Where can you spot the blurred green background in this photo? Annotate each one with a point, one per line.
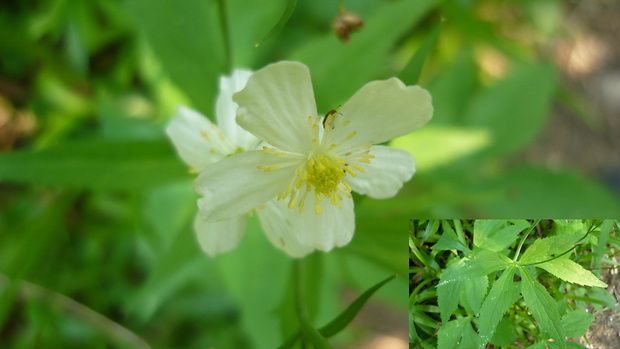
(96, 208)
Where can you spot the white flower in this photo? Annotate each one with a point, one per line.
(200, 143)
(312, 163)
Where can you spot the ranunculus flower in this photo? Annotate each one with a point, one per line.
(311, 163)
(201, 143)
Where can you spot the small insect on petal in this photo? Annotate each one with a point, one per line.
(330, 117)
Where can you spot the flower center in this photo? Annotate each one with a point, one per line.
(322, 174)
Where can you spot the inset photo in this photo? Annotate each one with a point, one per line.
(514, 283)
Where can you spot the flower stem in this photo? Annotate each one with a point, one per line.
(225, 26)
(308, 331)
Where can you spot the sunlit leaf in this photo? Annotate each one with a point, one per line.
(544, 248)
(570, 271)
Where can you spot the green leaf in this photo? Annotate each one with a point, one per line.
(577, 322)
(452, 90)
(542, 249)
(495, 305)
(441, 146)
(451, 281)
(96, 164)
(288, 11)
(469, 337)
(366, 54)
(570, 271)
(344, 318)
(542, 193)
(542, 306)
(411, 72)
(494, 235)
(512, 110)
(450, 333)
(473, 292)
(313, 335)
(186, 37)
(505, 333)
(449, 240)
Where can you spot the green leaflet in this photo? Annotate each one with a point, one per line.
(570, 271)
(450, 332)
(449, 240)
(495, 305)
(495, 235)
(542, 306)
(576, 323)
(450, 284)
(541, 249)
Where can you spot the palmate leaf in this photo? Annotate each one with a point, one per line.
(570, 271)
(542, 307)
(450, 284)
(495, 305)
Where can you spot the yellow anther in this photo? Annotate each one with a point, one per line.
(350, 171)
(358, 167)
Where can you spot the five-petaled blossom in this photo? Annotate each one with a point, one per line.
(311, 163)
(200, 143)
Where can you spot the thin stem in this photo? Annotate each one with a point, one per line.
(115, 330)
(523, 240)
(225, 26)
(308, 331)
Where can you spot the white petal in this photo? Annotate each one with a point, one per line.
(381, 111)
(385, 174)
(221, 236)
(235, 185)
(197, 140)
(276, 223)
(226, 109)
(334, 227)
(275, 106)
